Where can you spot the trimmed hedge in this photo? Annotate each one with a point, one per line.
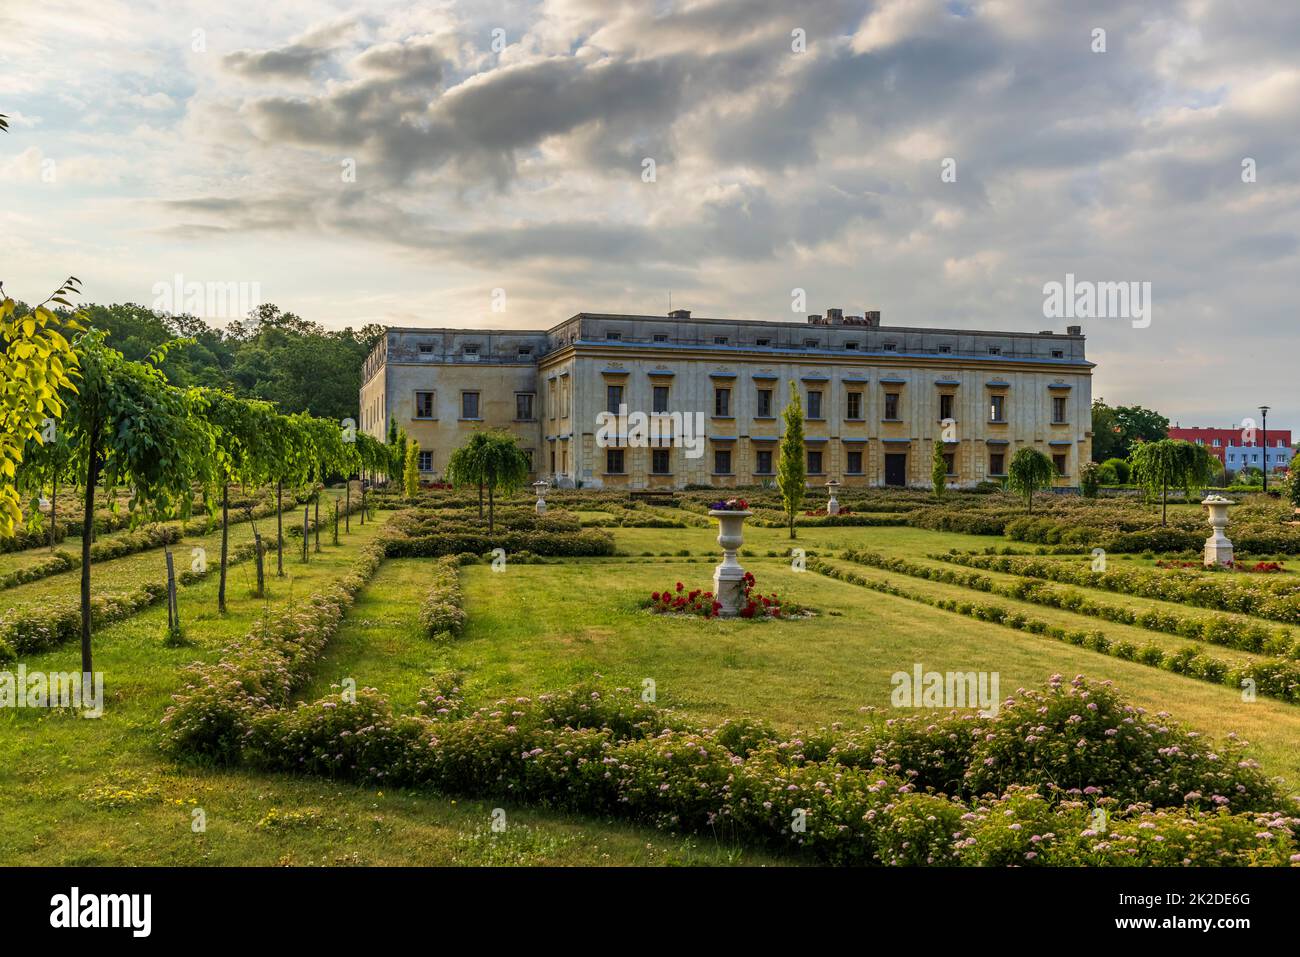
(909, 791)
(442, 614)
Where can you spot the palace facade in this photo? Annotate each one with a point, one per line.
(875, 398)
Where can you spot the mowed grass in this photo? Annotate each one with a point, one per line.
(132, 571)
(539, 627)
(77, 791)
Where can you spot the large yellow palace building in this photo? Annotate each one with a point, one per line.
(875, 398)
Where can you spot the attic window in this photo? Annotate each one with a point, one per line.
(614, 336)
(426, 348)
(851, 345)
(944, 350)
(762, 342)
(1058, 353)
(890, 347)
(471, 353)
(995, 350)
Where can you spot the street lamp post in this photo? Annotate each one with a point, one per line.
(1263, 411)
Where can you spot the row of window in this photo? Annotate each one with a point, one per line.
(471, 352)
(814, 408)
(852, 345)
(471, 405)
(1281, 444)
(661, 462)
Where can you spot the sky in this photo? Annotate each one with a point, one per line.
(509, 164)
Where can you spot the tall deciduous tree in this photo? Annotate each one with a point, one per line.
(792, 465)
(37, 368)
(1030, 470)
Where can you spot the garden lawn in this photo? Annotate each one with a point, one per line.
(75, 791)
(538, 627)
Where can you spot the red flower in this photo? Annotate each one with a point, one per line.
(680, 586)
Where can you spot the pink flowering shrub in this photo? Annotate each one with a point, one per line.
(441, 614)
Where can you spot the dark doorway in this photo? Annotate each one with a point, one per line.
(896, 469)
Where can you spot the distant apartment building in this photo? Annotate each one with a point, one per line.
(1235, 452)
(876, 399)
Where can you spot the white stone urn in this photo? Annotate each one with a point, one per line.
(728, 578)
(1218, 548)
(832, 503)
(541, 488)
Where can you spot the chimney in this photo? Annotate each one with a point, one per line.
(835, 316)
(1074, 330)
(680, 314)
(871, 317)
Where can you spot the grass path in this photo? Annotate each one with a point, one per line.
(539, 627)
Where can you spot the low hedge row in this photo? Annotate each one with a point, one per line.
(1231, 632)
(442, 614)
(1267, 676)
(588, 542)
(1277, 599)
(1017, 788)
(213, 713)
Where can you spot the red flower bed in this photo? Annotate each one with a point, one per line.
(703, 603)
(1260, 567)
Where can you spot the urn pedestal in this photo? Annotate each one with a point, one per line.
(832, 503)
(541, 488)
(1218, 547)
(728, 578)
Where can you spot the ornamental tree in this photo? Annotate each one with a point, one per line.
(939, 471)
(411, 475)
(505, 469)
(465, 466)
(1157, 466)
(128, 426)
(1029, 471)
(791, 465)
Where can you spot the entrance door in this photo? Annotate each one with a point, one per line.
(896, 469)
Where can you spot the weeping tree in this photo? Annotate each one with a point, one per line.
(37, 368)
(244, 441)
(1171, 463)
(1030, 470)
(792, 464)
(129, 427)
(505, 469)
(465, 467)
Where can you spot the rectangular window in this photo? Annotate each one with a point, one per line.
(997, 408)
(613, 398)
(719, 340)
(426, 462)
(995, 350)
(1058, 353)
(469, 405)
(721, 461)
(996, 463)
(762, 343)
(854, 463)
(852, 346)
(424, 405)
(470, 353)
(660, 399)
(814, 461)
(945, 406)
(660, 337)
(552, 460)
(426, 348)
(814, 404)
(950, 463)
(1058, 409)
(890, 347)
(810, 343)
(891, 405)
(1059, 462)
(613, 336)
(614, 461)
(550, 404)
(524, 406)
(661, 461)
(945, 350)
(525, 354)
(854, 410)
(763, 462)
(722, 403)
(764, 404)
